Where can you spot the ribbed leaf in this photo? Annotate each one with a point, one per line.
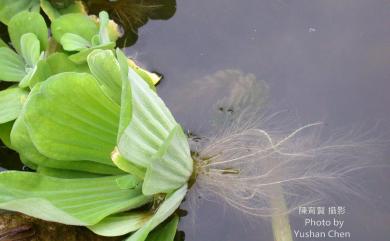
(165, 231)
(11, 102)
(66, 174)
(150, 125)
(165, 210)
(152, 139)
(11, 65)
(31, 157)
(28, 22)
(106, 70)
(9, 8)
(30, 48)
(74, 42)
(83, 201)
(171, 167)
(76, 23)
(53, 13)
(68, 117)
(121, 224)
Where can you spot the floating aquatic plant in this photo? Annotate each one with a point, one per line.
(108, 154)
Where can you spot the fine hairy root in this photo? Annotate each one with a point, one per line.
(244, 167)
(249, 160)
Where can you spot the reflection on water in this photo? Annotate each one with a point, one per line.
(133, 14)
(323, 60)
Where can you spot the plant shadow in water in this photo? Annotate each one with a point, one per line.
(133, 14)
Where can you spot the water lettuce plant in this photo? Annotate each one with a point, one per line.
(107, 154)
(106, 151)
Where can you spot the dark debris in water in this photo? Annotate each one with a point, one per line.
(19, 227)
(133, 14)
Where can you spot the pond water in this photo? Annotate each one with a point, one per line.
(322, 60)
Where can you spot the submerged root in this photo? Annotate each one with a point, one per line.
(245, 166)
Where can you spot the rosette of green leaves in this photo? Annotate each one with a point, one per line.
(81, 34)
(29, 38)
(53, 9)
(83, 132)
(22, 64)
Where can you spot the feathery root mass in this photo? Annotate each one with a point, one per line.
(248, 166)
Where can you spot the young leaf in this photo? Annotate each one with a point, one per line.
(9, 8)
(11, 65)
(30, 48)
(84, 201)
(103, 25)
(74, 42)
(68, 117)
(105, 68)
(166, 209)
(28, 22)
(11, 102)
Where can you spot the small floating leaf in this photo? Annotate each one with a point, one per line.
(28, 22)
(74, 42)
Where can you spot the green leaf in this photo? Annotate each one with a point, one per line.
(75, 23)
(152, 139)
(165, 231)
(106, 70)
(103, 25)
(53, 13)
(5, 132)
(84, 201)
(74, 42)
(121, 224)
(68, 117)
(11, 65)
(67, 174)
(28, 22)
(60, 62)
(171, 167)
(166, 209)
(40, 73)
(9, 8)
(31, 157)
(30, 48)
(81, 56)
(11, 102)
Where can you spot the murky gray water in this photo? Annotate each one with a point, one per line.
(324, 60)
